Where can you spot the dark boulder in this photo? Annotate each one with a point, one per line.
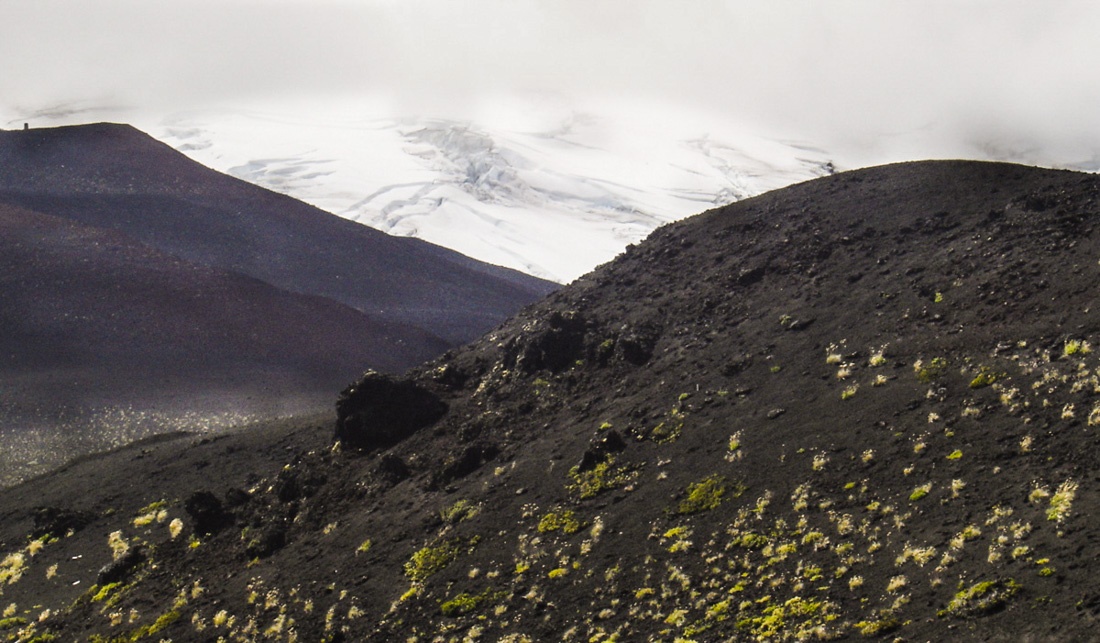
(600, 449)
(121, 568)
(467, 461)
(207, 512)
(391, 469)
(56, 523)
(265, 540)
(553, 344)
(379, 411)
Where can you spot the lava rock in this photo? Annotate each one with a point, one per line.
(379, 411)
(55, 522)
(120, 569)
(207, 512)
(601, 447)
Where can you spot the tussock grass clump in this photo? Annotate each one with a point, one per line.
(706, 494)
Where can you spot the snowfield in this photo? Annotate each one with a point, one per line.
(553, 197)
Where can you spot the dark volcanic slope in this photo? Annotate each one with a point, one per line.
(864, 406)
(91, 319)
(117, 177)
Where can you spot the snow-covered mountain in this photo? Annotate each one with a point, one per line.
(548, 187)
(552, 198)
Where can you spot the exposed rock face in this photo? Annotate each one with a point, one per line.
(380, 411)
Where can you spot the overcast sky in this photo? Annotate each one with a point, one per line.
(939, 77)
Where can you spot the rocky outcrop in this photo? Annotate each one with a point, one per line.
(379, 411)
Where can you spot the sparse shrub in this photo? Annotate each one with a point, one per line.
(458, 511)
(429, 560)
(981, 598)
(955, 455)
(12, 568)
(878, 357)
(1076, 346)
(733, 451)
(883, 624)
(466, 603)
(920, 492)
(984, 378)
(705, 495)
(931, 371)
(602, 477)
(896, 583)
(565, 520)
(1062, 501)
(117, 544)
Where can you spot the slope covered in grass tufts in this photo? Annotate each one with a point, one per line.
(863, 406)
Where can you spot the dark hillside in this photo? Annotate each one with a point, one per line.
(861, 407)
(93, 321)
(114, 176)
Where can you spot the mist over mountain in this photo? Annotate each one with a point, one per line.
(861, 406)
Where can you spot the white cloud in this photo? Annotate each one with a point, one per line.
(874, 79)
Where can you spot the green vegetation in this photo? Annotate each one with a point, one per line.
(955, 455)
(931, 371)
(12, 623)
(705, 495)
(883, 624)
(466, 603)
(429, 560)
(920, 492)
(1075, 347)
(565, 520)
(981, 598)
(1062, 501)
(984, 378)
(461, 510)
(162, 622)
(600, 478)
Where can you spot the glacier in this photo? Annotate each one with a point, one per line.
(553, 197)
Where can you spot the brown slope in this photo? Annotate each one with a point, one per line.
(91, 320)
(758, 493)
(114, 176)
